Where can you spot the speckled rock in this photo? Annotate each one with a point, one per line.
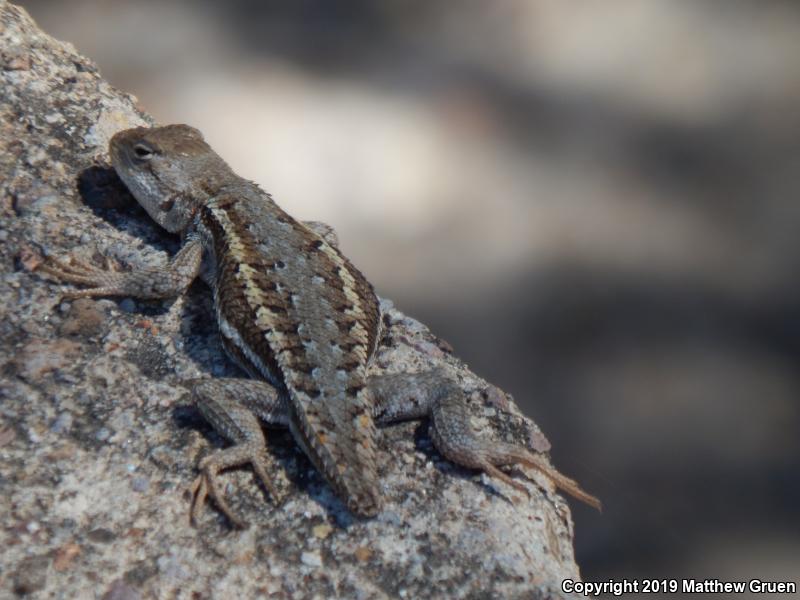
(98, 441)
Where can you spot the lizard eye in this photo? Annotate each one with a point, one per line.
(143, 152)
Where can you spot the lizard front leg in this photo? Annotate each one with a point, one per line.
(433, 394)
(233, 407)
(152, 283)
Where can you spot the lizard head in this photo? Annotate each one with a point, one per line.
(167, 169)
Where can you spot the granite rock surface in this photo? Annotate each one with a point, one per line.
(99, 441)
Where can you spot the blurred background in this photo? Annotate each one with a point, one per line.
(595, 202)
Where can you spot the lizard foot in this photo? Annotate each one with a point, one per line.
(505, 454)
(80, 272)
(205, 485)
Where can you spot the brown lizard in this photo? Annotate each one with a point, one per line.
(293, 313)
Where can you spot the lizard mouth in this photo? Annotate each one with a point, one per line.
(115, 148)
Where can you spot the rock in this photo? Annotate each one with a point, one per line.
(311, 559)
(65, 556)
(84, 319)
(128, 305)
(120, 590)
(101, 444)
(39, 357)
(31, 575)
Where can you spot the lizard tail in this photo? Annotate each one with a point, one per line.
(348, 465)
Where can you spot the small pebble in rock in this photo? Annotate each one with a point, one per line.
(363, 553)
(311, 559)
(102, 535)
(391, 517)
(31, 575)
(140, 484)
(322, 531)
(127, 305)
(62, 424)
(120, 590)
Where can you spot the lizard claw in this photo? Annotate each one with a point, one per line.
(71, 272)
(204, 486)
(493, 471)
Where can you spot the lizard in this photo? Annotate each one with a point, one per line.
(295, 315)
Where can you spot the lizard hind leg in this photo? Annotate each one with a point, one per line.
(455, 438)
(434, 394)
(233, 408)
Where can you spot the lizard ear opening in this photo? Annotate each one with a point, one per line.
(143, 152)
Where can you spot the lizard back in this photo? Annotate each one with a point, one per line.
(293, 310)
